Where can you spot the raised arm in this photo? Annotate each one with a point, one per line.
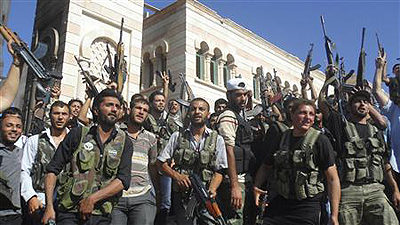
(10, 86)
(380, 64)
(82, 117)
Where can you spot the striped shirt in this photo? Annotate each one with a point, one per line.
(144, 153)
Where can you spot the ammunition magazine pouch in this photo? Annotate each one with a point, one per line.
(362, 161)
(201, 162)
(296, 174)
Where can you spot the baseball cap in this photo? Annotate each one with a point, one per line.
(237, 84)
(363, 93)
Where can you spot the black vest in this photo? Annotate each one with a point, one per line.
(244, 157)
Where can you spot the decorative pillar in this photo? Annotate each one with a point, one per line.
(232, 71)
(207, 61)
(153, 77)
(221, 64)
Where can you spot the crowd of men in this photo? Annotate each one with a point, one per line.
(304, 159)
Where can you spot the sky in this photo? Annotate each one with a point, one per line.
(290, 25)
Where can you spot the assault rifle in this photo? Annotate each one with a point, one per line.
(185, 88)
(307, 65)
(92, 88)
(119, 72)
(205, 200)
(380, 48)
(22, 50)
(361, 63)
(328, 44)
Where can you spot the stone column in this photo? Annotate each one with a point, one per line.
(232, 71)
(153, 75)
(207, 61)
(221, 64)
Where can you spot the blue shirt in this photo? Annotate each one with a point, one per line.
(392, 112)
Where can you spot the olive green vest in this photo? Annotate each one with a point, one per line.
(362, 161)
(201, 162)
(295, 172)
(163, 131)
(45, 152)
(92, 172)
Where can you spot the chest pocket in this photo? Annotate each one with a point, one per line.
(112, 163)
(299, 157)
(282, 159)
(86, 158)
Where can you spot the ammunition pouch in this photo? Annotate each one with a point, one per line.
(362, 161)
(296, 175)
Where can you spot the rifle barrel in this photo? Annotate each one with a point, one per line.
(362, 38)
(323, 25)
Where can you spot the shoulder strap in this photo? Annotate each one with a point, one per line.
(211, 142)
(285, 141)
(351, 131)
(183, 140)
(310, 139)
(153, 123)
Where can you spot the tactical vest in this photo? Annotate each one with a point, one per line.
(362, 160)
(45, 152)
(295, 172)
(244, 157)
(92, 172)
(163, 131)
(201, 162)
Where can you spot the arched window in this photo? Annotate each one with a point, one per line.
(147, 71)
(214, 66)
(161, 63)
(200, 71)
(230, 61)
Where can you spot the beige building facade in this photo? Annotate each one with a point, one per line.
(85, 28)
(188, 37)
(184, 37)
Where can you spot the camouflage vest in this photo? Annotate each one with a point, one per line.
(45, 152)
(201, 161)
(295, 172)
(163, 130)
(362, 161)
(92, 172)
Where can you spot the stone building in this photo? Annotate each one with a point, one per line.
(85, 29)
(188, 37)
(184, 37)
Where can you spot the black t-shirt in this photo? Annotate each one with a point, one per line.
(65, 150)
